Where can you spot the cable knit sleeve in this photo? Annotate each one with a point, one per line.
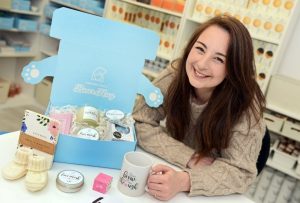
(236, 169)
(152, 137)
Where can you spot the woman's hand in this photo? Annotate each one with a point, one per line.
(194, 162)
(164, 182)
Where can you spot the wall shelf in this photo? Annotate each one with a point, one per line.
(153, 8)
(32, 13)
(18, 55)
(74, 7)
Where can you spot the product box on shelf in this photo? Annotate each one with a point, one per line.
(26, 24)
(6, 22)
(99, 64)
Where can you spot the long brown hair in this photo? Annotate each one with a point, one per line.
(237, 95)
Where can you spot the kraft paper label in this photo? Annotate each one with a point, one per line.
(36, 143)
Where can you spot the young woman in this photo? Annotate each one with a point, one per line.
(213, 109)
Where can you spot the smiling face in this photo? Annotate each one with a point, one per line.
(206, 62)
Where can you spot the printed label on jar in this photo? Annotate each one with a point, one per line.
(90, 113)
(88, 133)
(70, 177)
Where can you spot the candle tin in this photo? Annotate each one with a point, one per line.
(69, 181)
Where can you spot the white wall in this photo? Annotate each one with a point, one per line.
(290, 64)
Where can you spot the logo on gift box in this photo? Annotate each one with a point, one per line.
(129, 180)
(98, 74)
(99, 92)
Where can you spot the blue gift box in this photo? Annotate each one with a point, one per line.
(6, 22)
(26, 24)
(99, 63)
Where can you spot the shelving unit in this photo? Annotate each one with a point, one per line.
(283, 118)
(143, 5)
(16, 57)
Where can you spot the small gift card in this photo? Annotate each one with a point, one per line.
(65, 120)
(40, 133)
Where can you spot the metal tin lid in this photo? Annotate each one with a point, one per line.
(88, 133)
(69, 181)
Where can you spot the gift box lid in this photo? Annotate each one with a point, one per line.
(99, 62)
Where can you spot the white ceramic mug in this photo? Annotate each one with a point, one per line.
(134, 173)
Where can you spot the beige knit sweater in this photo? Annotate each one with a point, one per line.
(232, 171)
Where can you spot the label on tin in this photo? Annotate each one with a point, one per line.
(70, 177)
(88, 133)
(114, 114)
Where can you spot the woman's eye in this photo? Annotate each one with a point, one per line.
(200, 49)
(219, 60)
